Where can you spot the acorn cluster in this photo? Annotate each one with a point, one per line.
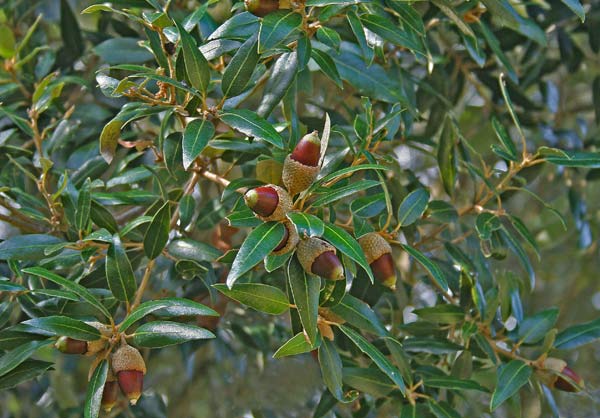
(126, 371)
(318, 257)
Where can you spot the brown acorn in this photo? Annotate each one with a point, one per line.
(261, 8)
(379, 256)
(110, 392)
(289, 241)
(301, 167)
(68, 345)
(318, 257)
(556, 374)
(269, 203)
(129, 367)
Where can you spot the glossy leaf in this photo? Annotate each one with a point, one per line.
(119, 272)
(249, 123)
(276, 27)
(306, 224)
(262, 297)
(61, 325)
(95, 388)
(164, 333)
(196, 66)
(240, 69)
(26, 247)
(195, 138)
(412, 207)
(296, 345)
(432, 268)
(511, 377)
(157, 233)
(305, 291)
(344, 242)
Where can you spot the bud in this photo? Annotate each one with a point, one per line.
(289, 241)
(556, 374)
(318, 257)
(110, 392)
(379, 256)
(261, 8)
(269, 203)
(301, 167)
(129, 367)
(68, 345)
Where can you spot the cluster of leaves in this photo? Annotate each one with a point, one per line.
(127, 141)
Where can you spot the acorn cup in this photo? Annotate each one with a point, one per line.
(319, 257)
(301, 167)
(269, 203)
(379, 256)
(556, 374)
(110, 392)
(289, 241)
(129, 368)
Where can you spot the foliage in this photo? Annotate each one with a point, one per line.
(461, 132)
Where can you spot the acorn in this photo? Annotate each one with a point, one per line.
(318, 257)
(556, 374)
(289, 241)
(379, 256)
(129, 367)
(301, 167)
(261, 8)
(68, 345)
(110, 392)
(269, 203)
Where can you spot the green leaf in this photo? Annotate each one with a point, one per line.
(391, 33)
(13, 358)
(576, 7)
(196, 66)
(368, 206)
(430, 345)
(345, 171)
(95, 389)
(329, 37)
(157, 233)
(276, 27)
(252, 125)
(321, 3)
(76, 288)
(534, 328)
(84, 203)
(486, 223)
(572, 158)
(379, 359)
(327, 65)
(522, 256)
(240, 69)
(494, 45)
(283, 73)
(262, 297)
(189, 249)
(61, 325)
(119, 272)
(122, 51)
(29, 369)
(306, 224)
(344, 191)
(195, 137)
(432, 268)
(7, 42)
(305, 290)
(413, 206)
(508, 16)
(169, 306)
(578, 335)
(448, 10)
(359, 314)
(331, 368)
(296, 345)
(159, 334)
(448, 382)
(504, 138)
(73, 45)
(344, 242)
(28, 247)
(442, 314)
(371, 381)
(511, 377)
(442, 409)
(102, 217)
(109, 139)
(260, 242)
(446, 156)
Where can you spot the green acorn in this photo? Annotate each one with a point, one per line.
(319, 257)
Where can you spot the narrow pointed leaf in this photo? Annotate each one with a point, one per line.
(95, 389)
(305, 291)
(195, 137)
(119, 272)
(249, 123)
(262, 297)
(157, 234)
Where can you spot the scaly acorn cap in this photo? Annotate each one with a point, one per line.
(319, 257)
(129, 367)
(301, 167)
(289, 241)
(558, 375)
(269, 203)
(261, 8)
(94, 347)
(378, 253)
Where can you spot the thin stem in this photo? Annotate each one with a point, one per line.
(143, 285)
